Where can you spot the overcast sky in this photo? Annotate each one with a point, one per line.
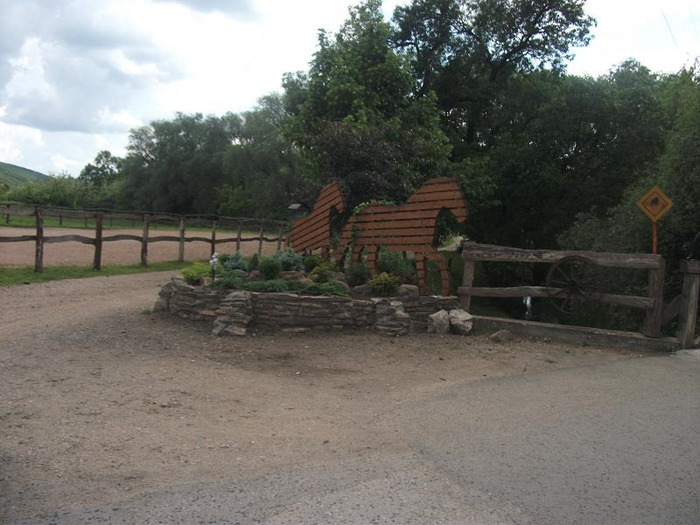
(76, 75)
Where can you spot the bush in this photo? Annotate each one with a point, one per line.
(233, 262)
(384, 284)
(228, 281)
(394, 263)
(270, 268)
(254, 263)
(196, 272)
(325, 289)
(311, 262)
(323, 272)
(289, 260)
(356, 274)
(276, 285)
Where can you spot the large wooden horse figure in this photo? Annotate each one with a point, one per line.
(314, 231)
(409, 227)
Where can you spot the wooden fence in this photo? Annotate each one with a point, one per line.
(147, 220)
(657, 313)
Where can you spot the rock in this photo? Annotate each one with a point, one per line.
(294, 275)
(461, 322)
(306, 281)
(363, 289)
(502, 336)
(439, 323)
(255, 275)
(390, 317)
(408, 290)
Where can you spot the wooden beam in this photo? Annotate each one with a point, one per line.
(97, 259)
(39, 243)
(689, 304)
(487, 252)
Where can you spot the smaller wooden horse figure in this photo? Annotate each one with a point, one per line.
(408, 227)
(314, 231)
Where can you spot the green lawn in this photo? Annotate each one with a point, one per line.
(26, 274)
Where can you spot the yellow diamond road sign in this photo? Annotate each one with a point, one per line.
(655, 203)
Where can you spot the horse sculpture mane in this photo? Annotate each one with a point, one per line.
(409, 227)
(314, 231)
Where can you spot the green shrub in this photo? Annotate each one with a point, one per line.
(311, 262)
(270, 268)
(233, 262)
(228, 281)
(323, 272)
(325, 289)
(394, 263)
(356, 274)
(196, 272)
(384, 284)
(276, 285)
(289, 260)
(254, 262)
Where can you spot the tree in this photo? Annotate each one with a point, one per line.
(467, 50)
(354, 115)
(105, 170)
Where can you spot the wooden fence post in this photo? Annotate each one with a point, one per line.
(260, 234)
(467, 282)
(279, 239)
(181, 242)
(144, 241)
(39, 249)
(689, 303)
(60, 218)
(97, 260)
(654, 317)
(213, 239)
(238, 237)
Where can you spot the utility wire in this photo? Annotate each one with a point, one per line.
(670, 30)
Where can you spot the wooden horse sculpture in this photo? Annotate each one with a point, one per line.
(314, 231)
(409, 227)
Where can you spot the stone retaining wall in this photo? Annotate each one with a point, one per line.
(237, 311)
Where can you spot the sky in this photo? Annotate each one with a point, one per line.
(77, 75)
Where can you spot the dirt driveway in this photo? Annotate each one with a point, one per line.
(101, 400)
(115, 252)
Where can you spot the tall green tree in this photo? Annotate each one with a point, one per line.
(356, 118)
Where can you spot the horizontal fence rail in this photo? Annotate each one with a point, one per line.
(147, 221)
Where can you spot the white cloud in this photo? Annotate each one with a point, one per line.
(63, 164)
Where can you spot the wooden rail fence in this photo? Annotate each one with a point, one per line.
(657, 313)
(147, 220)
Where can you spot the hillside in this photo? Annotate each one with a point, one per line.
(16, 175)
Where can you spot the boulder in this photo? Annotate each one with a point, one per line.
(408, 290)
(439, 323)
(461, 322)
(255, 275)
(363, 289)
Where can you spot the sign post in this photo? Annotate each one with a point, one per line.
(655, 203)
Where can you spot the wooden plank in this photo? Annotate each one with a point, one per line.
(485, 252)
(163, 238)
(390, 232)
(97, 259)
(689, 304)
(644, 303)
(467, 282)
(303, 235)
(225, 240)
(181, 241)
(213, 239)
(122, 237)
(436, 196)
(144, 241)
(39, 243)
(197, 239)
(19, 238)
(15, 211)
(69, 238)
(654, 317)
(238, 237)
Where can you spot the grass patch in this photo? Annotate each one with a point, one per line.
(25, 274)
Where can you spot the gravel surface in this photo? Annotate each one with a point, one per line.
(102, 401)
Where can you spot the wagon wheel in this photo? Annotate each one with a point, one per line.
(571, 280)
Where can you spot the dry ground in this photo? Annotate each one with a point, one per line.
(115, 252)
(101, 400)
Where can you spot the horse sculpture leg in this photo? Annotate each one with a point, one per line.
(444, 273)
(421, 268)
(372, 259)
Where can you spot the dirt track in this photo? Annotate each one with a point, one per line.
(114, 252)
(101, 400)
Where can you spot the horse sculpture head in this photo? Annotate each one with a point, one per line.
(314, 231)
